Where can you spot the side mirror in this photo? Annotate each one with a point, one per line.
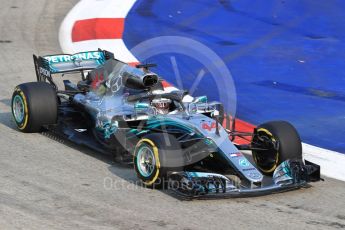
(202, 99)
(144, 108)
(140, 106)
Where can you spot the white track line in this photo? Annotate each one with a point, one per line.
(332, 163)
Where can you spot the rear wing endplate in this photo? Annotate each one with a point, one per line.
(42, 69)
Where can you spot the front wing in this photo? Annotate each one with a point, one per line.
(290, 175)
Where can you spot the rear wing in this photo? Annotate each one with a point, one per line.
(61, 63)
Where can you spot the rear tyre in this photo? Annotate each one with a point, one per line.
(34, 104)
(150, 157)
(282, 141)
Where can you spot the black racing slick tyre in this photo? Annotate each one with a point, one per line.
(34, 104)
(281, 141)
(149, 158)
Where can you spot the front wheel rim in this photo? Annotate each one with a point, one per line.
(266, 160)
(146, 162)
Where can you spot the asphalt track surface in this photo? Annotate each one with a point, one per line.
(45, 184)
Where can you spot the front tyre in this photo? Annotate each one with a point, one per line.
(281, 142)
(151, 155)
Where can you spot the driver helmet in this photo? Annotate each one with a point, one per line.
(162, 105)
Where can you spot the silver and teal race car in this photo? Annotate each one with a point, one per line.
(174, 141)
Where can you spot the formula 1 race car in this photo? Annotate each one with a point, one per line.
(171, 138)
